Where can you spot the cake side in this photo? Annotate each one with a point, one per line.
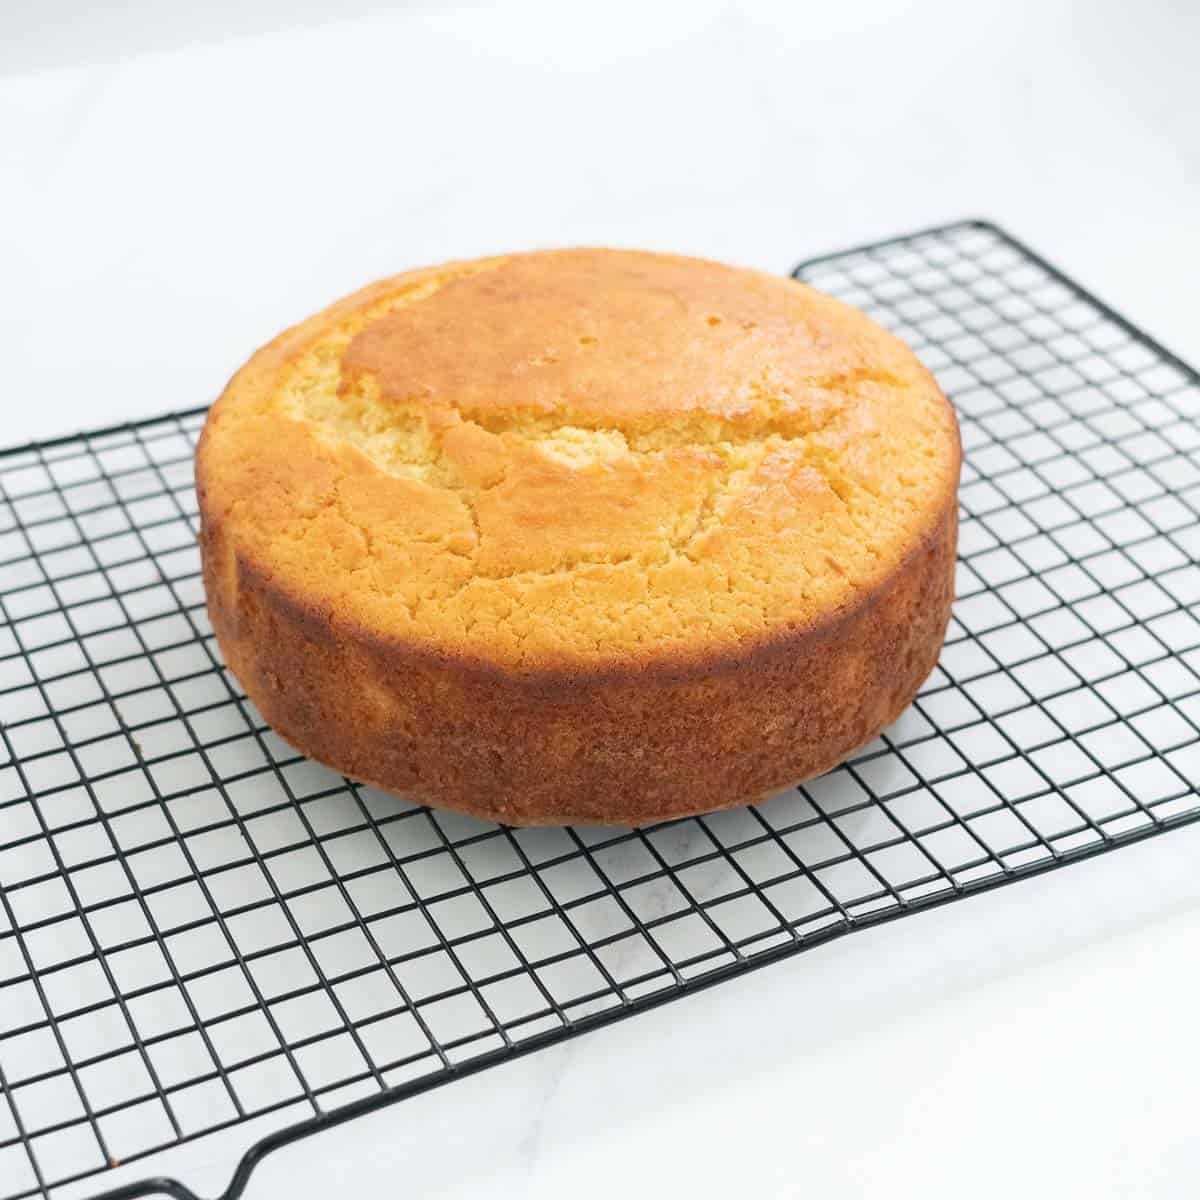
(626, 747)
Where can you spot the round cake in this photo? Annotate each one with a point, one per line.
(581, 535)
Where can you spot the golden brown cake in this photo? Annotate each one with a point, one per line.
(581, 535)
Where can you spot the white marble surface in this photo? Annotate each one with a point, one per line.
(174, 187)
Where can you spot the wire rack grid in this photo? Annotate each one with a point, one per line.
(202, 931)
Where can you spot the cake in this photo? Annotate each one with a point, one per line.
(580, 536)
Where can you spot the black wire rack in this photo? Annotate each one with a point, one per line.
(201, 931)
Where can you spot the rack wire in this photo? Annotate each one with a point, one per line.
(202, 931)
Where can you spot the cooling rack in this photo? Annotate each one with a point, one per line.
(203, 934)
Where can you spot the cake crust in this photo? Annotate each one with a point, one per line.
(580, 536)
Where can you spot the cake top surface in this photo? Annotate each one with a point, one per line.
(577, 458)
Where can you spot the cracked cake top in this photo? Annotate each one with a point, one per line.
(579, 458)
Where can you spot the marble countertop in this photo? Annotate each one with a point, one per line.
(175, 189)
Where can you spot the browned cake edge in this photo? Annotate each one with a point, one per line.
(559, 744)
